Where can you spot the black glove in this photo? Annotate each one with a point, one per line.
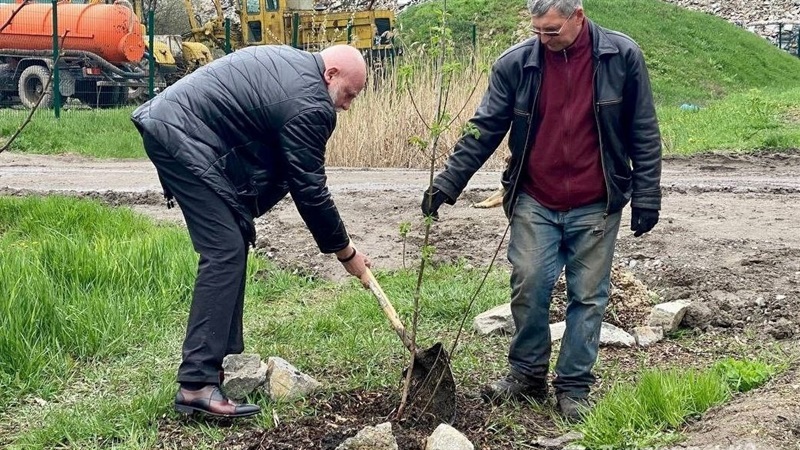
(432, 202)
(643, 220)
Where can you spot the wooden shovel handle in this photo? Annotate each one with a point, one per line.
(388, 310)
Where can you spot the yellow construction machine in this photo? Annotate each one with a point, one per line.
(173, 57)
(299, 23)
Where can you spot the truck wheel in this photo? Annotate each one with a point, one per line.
(113, 96)
(31, 87)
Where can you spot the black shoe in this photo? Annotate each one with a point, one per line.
(513, 387)
(572, 409)
(211, 401)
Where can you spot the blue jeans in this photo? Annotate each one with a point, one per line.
(543, 242)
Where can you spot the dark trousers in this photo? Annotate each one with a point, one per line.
(215, 319)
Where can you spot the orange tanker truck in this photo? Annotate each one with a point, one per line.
(100, 55)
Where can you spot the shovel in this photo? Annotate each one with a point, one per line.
(432, 389)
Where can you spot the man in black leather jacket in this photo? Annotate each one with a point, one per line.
(584, 141)
(229, 141)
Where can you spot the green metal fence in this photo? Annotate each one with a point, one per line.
(784, 34)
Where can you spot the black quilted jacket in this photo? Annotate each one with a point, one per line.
(253, 126)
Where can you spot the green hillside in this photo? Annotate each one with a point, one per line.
(692, 57)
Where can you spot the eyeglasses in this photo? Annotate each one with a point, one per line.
(539, 32)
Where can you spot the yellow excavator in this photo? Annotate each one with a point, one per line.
(299, 23)
(173, 56)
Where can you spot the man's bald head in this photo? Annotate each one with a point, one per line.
(345, 74)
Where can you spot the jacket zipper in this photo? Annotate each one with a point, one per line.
(526, 153)
(600, 139)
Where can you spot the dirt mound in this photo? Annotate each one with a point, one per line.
(342, 415)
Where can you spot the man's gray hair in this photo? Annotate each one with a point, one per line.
(538, 8)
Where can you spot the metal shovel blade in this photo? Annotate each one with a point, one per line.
(432, 392)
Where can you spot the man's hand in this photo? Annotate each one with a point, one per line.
(355, 263)
(643, 220)
(432, 201)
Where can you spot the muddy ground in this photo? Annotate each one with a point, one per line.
(728, 239)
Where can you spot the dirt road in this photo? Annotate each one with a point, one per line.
(728, 239)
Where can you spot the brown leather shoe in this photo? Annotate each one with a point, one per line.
(211, 401)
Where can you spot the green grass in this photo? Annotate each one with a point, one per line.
(93, 303)
(692, 57)
(495, 23)
(79, 282)
(757, 119)
(101, 134)
(349, 334)
(650, 412)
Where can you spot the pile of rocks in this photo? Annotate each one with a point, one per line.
(761, 17)
(664, 318)
(743, 12)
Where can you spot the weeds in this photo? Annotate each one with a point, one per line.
(650, 412)
(743, 376)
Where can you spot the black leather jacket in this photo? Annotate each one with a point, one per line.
(253, 126)
(630, 140)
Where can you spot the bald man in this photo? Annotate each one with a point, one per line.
(229, 141)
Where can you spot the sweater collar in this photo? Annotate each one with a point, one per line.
(581, 45)
(601, 45)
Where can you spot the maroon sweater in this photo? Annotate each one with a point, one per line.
(564, 168)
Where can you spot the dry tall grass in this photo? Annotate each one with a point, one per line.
(375, 132)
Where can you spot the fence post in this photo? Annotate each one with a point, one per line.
(474, 36)
(797, 50)
(54, 86)
(151, 73)
(227, 35)
(295, 31)
(780, 35)
(349, 32)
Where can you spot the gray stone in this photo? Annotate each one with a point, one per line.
(244, 373)
(379, 437)
(495, 320)
(286, 382)
(668, 315)
(446, 437)
(647, 336)
(698, 315)
(557, 331)
(241, 362)
(609, 334)
(615, 337)
(560, 441)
